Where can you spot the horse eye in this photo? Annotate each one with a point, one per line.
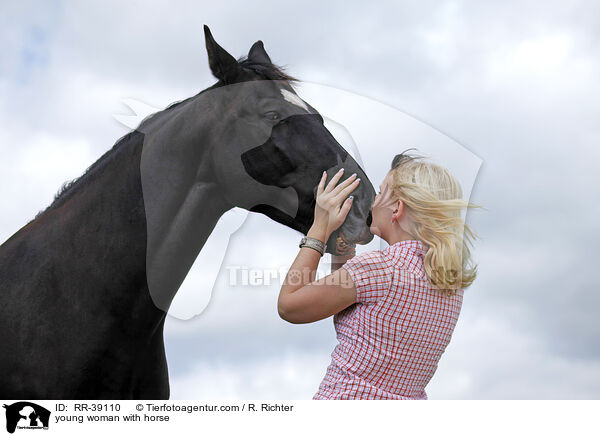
(272, 115)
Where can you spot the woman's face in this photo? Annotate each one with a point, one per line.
(382, 208)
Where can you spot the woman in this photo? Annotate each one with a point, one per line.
(394, 309)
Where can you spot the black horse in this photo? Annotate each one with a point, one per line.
(85, 286)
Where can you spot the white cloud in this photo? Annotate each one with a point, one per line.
(289, 376)
(491, 358)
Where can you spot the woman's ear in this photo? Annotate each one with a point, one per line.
(397, 210)
(403, 218)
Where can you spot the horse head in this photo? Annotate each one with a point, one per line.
(273, 138)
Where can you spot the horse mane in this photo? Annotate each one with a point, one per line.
(266, 71)
(70, 186)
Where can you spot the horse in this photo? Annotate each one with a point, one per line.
(85, 286)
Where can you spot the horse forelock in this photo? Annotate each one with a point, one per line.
(267, 71)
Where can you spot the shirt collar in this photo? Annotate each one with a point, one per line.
(404, 255)
(412, 245)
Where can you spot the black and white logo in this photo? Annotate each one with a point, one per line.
(26, 415)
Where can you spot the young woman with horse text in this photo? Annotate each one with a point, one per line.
(394, 310)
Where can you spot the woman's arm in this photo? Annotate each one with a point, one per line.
(301, 299)
(319, 299)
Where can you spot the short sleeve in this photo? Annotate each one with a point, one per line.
(371, 275)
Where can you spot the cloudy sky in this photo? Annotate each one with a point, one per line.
(509, 86)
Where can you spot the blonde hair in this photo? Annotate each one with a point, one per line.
(434, 201)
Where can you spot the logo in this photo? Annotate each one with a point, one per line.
(26, 415)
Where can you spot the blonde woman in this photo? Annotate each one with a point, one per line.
(394, 310)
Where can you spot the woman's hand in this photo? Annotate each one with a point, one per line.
(332, 203)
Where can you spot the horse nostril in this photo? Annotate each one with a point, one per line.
(369, 219)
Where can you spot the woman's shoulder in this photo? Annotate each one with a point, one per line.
(403, 253)
(370, 259)
(372, 275)
(406, 255)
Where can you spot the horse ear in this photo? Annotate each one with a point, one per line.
(258, 53)
(223, 66)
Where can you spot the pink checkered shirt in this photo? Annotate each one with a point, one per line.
(391, 339)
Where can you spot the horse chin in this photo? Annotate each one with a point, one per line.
(341, 245)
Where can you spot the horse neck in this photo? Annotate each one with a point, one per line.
(183, 201)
